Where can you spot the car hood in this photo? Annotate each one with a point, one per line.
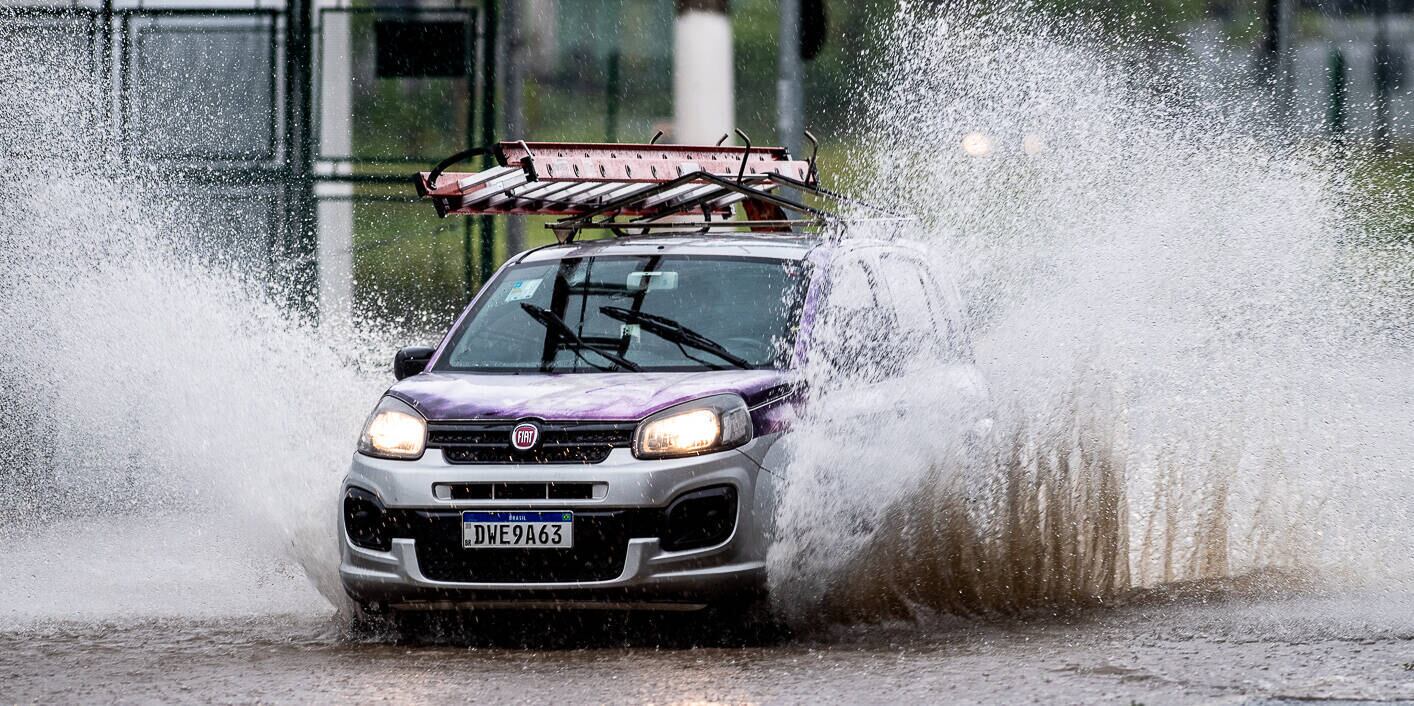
(578, 396)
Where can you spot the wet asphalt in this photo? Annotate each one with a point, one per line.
(1327, 647)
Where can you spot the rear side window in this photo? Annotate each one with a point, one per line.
(912, 299)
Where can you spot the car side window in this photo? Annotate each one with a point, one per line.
(923, 328)
(852, 289)
(858, 325)
(911, 298)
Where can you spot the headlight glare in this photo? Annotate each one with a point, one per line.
(711, 424)
(689, 432)
(394, 430)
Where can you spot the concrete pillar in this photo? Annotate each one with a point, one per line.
(542, 24)
(704, 91)
(790, 93)
(335, 198)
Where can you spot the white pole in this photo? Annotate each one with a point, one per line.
(335, 202)
(704, 92)
(790, 94)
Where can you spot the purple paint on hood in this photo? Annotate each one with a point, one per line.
(577, 396)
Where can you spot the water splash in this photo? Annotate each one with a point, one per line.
(1196, 346)
(172, 435)
(1191, 329)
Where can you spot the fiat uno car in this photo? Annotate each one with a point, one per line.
(602, 426)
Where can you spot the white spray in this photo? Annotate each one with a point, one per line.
(173, 436)
(1198, 365)
(1198, 351)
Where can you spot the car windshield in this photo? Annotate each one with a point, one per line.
(647, 313)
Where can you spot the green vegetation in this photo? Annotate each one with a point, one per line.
(412, 269)
(1382, 185)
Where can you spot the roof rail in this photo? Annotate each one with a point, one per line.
(626, 188)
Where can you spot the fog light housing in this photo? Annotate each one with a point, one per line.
(365, 522)
(701, 518)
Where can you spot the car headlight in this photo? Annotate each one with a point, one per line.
(394, 430)
(702, 426)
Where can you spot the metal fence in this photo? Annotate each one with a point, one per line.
(285, 123)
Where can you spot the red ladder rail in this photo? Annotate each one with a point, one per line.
(572, 178)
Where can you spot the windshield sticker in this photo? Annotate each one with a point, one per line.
(630, 331)
(652, 281)
(522, 289)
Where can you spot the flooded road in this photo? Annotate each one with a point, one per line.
(1345, 648)
(1197, 340)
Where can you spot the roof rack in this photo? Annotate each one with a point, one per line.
(634, 188)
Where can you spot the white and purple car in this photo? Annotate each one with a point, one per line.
(602, 426)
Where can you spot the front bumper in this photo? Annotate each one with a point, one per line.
(650, 575)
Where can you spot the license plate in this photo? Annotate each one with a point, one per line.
(518, 530)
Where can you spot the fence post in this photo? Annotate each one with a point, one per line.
(1276, 48)
(488, 136)
(513, 71)
(1384, 78)
(301, 236)
(1335, 110)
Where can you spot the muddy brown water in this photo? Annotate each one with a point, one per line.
(1348, 647)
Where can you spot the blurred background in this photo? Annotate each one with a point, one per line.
(292, 126)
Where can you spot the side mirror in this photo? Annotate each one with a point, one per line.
(411, 361)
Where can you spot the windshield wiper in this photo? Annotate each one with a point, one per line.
(557, 325)
(672, 331)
